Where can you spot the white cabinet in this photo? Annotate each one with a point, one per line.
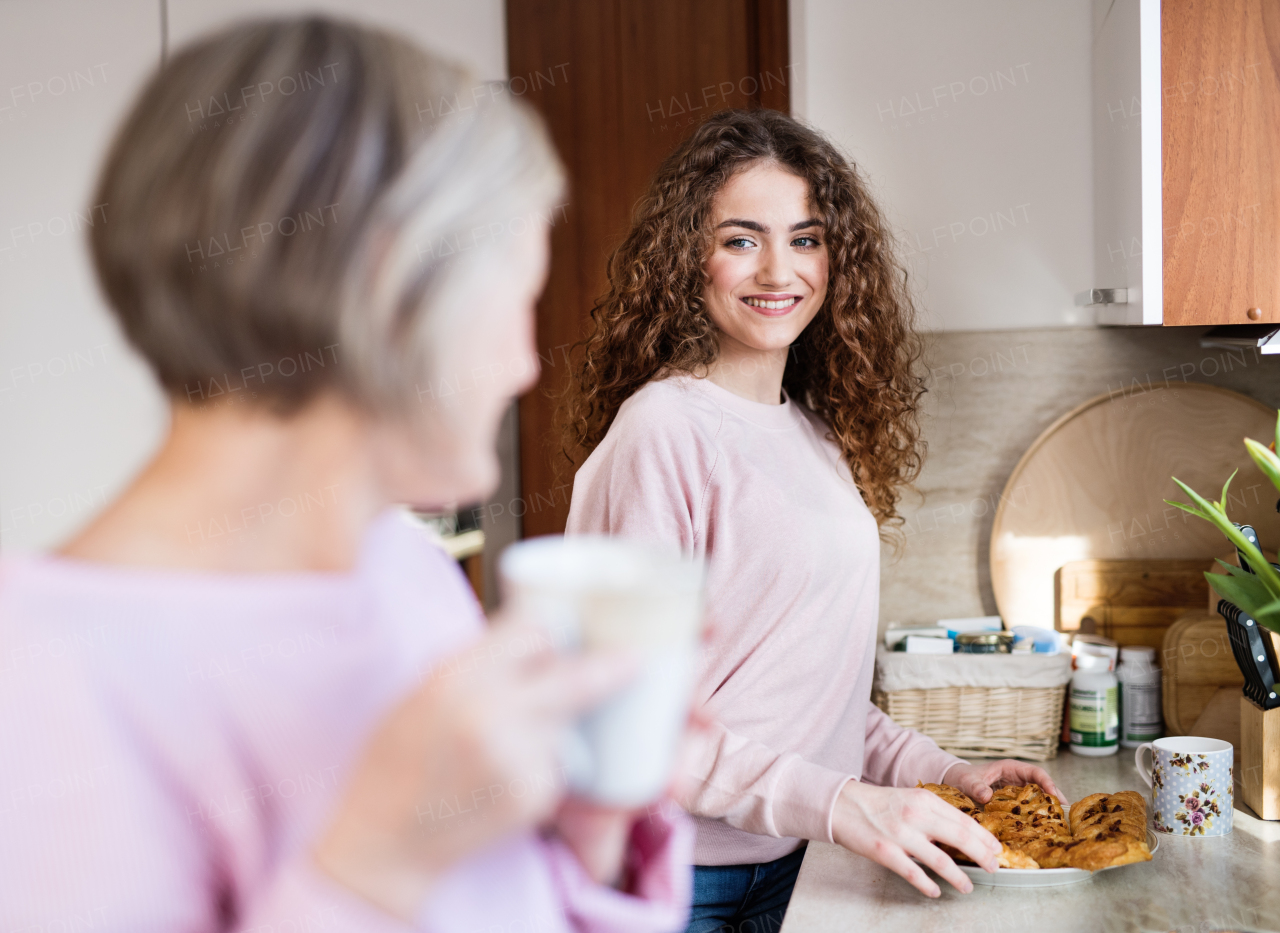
(1126, 152)
(971, 122)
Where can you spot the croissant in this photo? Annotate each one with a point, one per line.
(1105, 850)
(1123, 812)
(1100, 831)
(1008, 858)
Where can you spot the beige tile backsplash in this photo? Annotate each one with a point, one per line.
(990, 395)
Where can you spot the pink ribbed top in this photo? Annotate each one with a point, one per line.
(792, 600)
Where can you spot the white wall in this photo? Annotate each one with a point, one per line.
(79, 412)
(972, 120)
(472, 32)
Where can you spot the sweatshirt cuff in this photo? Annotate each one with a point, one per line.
(659, 864)
(805, 800)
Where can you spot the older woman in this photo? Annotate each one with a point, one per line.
(252, 695)
(749, 393)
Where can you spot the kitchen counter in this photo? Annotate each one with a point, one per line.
(1192, 885)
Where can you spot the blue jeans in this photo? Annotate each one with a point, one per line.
(743, 898)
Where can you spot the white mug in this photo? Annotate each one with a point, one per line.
(592, 591)
(1191, 782)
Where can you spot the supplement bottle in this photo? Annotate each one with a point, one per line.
(1141, 718)
(1094, 707)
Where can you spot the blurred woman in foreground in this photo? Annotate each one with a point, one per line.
(251, 694)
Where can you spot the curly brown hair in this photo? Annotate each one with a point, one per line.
(855, 365)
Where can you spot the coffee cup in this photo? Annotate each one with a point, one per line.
(596, 592)
(1191, 782)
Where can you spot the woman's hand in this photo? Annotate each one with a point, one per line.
(469, 757)
(979, 781)
(890, 824)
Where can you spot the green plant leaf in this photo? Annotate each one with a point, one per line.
(1186, 508)
(1207, 508)
(1266, 460)
(1222, 503)
(1247, 591)
(1269, 617)
(1234, 570)
(1249, 594)
(1212, 513)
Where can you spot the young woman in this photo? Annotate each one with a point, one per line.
(253, 695)
(749, 393)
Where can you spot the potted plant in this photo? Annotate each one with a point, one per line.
(1257, 593)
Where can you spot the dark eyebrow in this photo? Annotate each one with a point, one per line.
(761, 228)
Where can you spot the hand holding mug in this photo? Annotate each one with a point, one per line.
(599, 593)
(483, 723)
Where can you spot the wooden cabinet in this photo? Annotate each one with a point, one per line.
(1220, 137)
(1186, 155)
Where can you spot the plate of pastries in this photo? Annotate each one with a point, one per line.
(1042, 844)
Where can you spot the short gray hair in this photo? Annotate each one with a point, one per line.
(303, 191)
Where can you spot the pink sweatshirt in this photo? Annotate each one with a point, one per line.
(172, 742)
(792, 602)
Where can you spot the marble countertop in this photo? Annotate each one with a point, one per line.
(1192, 885)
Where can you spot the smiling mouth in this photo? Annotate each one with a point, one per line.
(779, 305)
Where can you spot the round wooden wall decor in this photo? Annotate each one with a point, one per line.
(1093, 486)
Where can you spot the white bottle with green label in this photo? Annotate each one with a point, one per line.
(1095, 707)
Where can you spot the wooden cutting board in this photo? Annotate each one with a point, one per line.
(1132, 601)
(1168, 605)
(1093, 485)
(1135, 601)
(1197, 662)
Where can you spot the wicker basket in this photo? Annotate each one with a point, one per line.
(982, 722)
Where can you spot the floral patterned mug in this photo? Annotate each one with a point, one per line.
(1191, 782)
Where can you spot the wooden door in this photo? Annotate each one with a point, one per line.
(619, 82)
(1220, 132)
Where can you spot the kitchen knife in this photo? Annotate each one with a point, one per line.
(1252, 537)
(1247, 643)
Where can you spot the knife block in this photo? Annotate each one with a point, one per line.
(1258, 769)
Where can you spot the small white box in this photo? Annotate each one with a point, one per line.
(926, 644)
(894, 635)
